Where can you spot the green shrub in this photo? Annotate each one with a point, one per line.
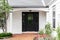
(3, 35)
(58, 32)
(41, 32)
(9, 34)
(48, 29)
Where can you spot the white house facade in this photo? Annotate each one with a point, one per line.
(18, 20)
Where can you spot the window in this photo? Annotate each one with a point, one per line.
(54, 16)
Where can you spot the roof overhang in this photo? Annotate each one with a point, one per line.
(30, 6)
(29, 3)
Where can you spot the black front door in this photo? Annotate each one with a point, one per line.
(30, 21)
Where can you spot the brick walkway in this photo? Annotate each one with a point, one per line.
(25, 36)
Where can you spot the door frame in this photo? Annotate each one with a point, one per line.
(38, 25)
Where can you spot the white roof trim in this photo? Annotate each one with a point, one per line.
(40, 9)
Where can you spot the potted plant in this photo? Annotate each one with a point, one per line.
(40, 35)
(54, 33)
(48, 29)
(41, 32)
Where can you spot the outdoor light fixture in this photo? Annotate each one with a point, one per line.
(30, 10)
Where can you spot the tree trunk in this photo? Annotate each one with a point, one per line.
(6, 22)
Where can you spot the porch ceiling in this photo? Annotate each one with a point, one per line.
(29, 3)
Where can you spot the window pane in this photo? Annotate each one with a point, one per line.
(53, 23)
(53, 16)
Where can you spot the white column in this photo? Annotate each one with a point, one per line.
(9, 23)
(58, 14)
(47, 14)
(42, 20)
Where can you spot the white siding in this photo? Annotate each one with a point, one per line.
(49, 16)
(58, 14)
(17, 22)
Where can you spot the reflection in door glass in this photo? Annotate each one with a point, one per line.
(30, 16)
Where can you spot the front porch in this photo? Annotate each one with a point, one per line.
(15, 20)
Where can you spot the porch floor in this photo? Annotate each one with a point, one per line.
(24, 36)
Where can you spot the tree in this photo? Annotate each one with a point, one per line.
(4, 12)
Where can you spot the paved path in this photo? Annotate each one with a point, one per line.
(25, 36)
